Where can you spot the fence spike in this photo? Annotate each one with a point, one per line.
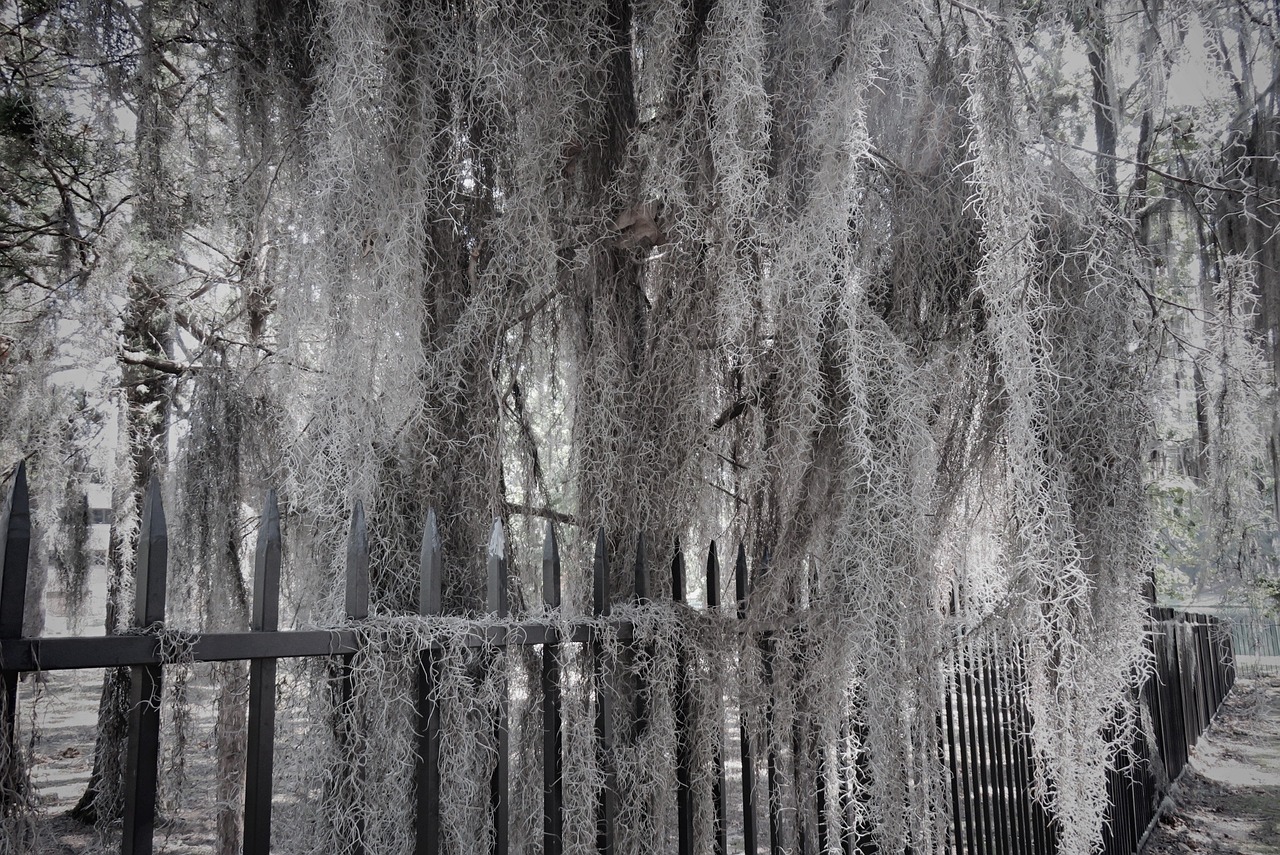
(430, 569)
(741, 582)
(497, 599)
(600, 576)
(358, 565)
(153, 553)
(713, 578)
(677, 576)
(642, 571)
(550, 568)
(266, 569)
(15, 548)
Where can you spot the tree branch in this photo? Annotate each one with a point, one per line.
(545, 513)
(147, 360)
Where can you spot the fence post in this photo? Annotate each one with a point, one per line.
(636, 686)
(552, 755)
(142, 764)
(262, 685)
(15, 530)
(684, 748)
(960, 766)
(1021, 762)
(499, 797)
(604, 705)
(749, 831)
(959, 762)
(356, 608)
(773, 773)
(991, 708)
(430, 602)
(977, 753)
(718, 789)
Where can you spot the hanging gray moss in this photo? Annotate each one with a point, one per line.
(773, 272)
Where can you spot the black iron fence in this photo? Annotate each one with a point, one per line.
(1256, 639)
(994, 809)
(984, 727)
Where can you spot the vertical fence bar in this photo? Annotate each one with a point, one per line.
(637, 688)
(1165, 674)
(142, 764)
(262, 685)
(953, 759)
(844, 784)
(824, 806)
(998, 795)
(552, 753)
(1017, 758)
(427, 775)
(1170, 690)
(1181, 733)
(684, 739)
(608, 805)
(499, 792)
(962, 828)
(1206, 671)
(1008, 703)
(15, 550)
(1027, 768)
(749, 831)
(1137, 810)
(1019, 803)
(773, 781)
(719, 791)
(974, 843)
(999, 695)
(977, 753)
(356, 607)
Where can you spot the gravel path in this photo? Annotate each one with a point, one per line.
(1228, 800)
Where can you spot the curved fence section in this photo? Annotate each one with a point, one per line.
(994, 807)
(983, 727)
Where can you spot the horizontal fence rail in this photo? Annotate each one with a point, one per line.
(983, 729)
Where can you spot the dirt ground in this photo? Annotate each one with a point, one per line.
(65, 707)
(1228, 800)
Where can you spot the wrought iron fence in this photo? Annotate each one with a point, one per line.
(984, 727)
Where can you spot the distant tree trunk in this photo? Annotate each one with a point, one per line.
(610, 302)
(1092, 26)
(148, 395)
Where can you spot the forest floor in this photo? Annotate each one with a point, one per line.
(66, 713)
(1228, 799)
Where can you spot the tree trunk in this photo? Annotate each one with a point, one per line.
(148, 395)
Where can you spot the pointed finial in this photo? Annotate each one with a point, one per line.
(430, 568)
(357, 565)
